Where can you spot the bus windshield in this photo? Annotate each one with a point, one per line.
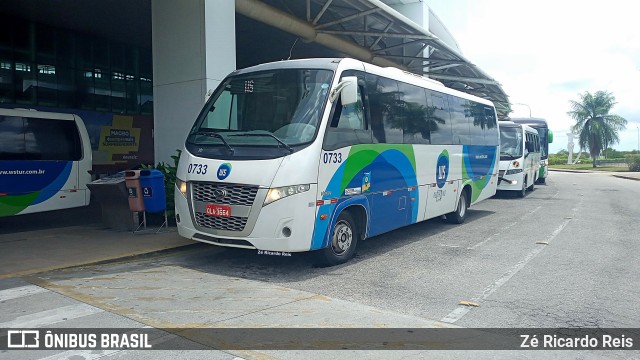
(543, 132)
(276, 108)
(510, 143)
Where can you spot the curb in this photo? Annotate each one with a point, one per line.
(572, 171)
(123, 258)
(627, 177)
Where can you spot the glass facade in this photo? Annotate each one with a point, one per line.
(53, 67)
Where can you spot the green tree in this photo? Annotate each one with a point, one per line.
(597, 128)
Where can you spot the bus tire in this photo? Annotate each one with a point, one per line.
(523, 191)
(531, 187)
(343, 242)
(459, 215)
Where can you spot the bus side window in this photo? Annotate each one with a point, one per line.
(459, 120)
(12, 134)
(386, 110)
(439, 119)
(415, 114)
(51, 140)
(490, 137)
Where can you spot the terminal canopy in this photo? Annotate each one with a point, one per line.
(371, 31)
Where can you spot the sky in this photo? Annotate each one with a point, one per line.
(545, 53)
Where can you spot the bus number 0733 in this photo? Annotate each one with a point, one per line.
(335, 158)
(197, 169)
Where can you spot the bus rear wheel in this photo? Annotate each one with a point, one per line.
(343, 242)
(458, 216)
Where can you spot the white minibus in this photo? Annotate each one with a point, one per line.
(45, 159)
(519, 157)
(318, 154)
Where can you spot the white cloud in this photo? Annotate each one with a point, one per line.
(545, 52)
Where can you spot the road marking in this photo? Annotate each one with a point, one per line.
(21, 291)
(502, 229)
(49, 317)
(462, 310)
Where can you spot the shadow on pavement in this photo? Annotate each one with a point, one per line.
(87, 215)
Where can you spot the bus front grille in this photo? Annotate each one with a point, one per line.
(233, 223)
(225, 194)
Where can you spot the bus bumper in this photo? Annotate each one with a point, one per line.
(285, 225)
(510, 182)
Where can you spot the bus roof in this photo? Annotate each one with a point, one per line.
(32, 113)
(531, 121)
(507, 124)
(348, 63)
(504, 123)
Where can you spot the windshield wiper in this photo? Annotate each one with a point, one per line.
(269, 135)
(214, 135)
(502, 153)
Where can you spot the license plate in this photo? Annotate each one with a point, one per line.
(218, 210)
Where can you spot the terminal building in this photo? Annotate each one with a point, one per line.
(138, 71)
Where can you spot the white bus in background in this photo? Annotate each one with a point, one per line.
(45, 159)
(519, 157)
(318, 154)
(546, 138)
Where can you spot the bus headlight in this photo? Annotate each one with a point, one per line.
(182, 187)
(276, 194)
(513, 171)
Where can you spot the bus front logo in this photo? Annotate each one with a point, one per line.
(442, 169)
(223, 171)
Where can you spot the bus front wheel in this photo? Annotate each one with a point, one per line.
(523, 191)
(458, 216)
(344, 239)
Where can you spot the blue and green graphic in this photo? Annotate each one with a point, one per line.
(477, 166)
(384, 177)
(26, 183)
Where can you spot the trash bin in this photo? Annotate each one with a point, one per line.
(134, 190)
(153, 192)
(111, 193)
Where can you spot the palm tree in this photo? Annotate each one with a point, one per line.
(597, 128)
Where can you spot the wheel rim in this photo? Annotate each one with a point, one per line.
(463, 206)
(342, 237)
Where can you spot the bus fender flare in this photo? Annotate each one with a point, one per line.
(463, 186)
(359, 200)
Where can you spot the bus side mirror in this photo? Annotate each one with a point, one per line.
(550, 135)
(348, 90)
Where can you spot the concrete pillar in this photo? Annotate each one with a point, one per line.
(194, 48)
